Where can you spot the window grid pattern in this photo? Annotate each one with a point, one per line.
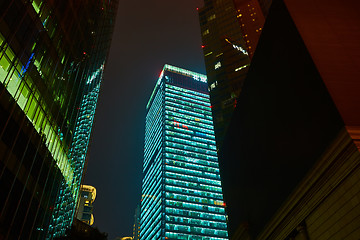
(182, 194)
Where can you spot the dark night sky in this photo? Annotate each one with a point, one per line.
(147, 35)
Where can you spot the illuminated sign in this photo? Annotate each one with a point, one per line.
(194, 75)
(240, 49)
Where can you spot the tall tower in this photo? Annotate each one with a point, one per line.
(181, 189)
(84, 211)
(52, 58)
(226, 60)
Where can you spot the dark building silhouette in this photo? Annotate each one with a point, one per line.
(83, 231)
(230, 32)
(290, 161)
(251, 21)
(52, 57)
(226, 60)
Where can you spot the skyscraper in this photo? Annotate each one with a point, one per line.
(181, 189)
(84, 211)
(52, 58)
(226, 60)
(251, 21)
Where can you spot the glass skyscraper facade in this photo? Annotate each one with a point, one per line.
(52, 58)
(181, 189)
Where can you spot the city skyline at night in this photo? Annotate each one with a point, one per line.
(181, 192)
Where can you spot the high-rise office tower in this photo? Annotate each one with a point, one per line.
(52, 58)
(84, 211)
(181, 189)
(226, 60)
(251, 21)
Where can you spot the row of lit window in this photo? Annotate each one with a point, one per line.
(192, 160)
(158, 87)
(149, 207)
(188, 126)
(185, 116)
(192, 166)
(196, 122)
(189, 111)
(195, 101)
(196, 230)
(152, 146)
(190, 148)
(190, 154)
(174, 109)
(155, 104)
(187, 136)
(152, 115)
(151, 149)
(190, 198)
(196, 186)
(153, 128)
(150, 226)
(195, 214)
(193, 182)
(152, 122)
(177, 129)
(192, 172)
(187, 131)
(194, 221)
(179, 89)
(152, 135)
(188, 142)
(204, 100)
(154, 170)
(150, 195)
(153, 139)
(187, 101)
(201, 193)
(194, 206)
(188, 105)
(182, 236)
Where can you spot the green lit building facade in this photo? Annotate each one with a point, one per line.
(52, 58)
(181, 189)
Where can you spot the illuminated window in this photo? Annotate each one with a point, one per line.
(217, 65)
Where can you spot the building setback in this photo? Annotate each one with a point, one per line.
(52, 58)
(181, 189)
